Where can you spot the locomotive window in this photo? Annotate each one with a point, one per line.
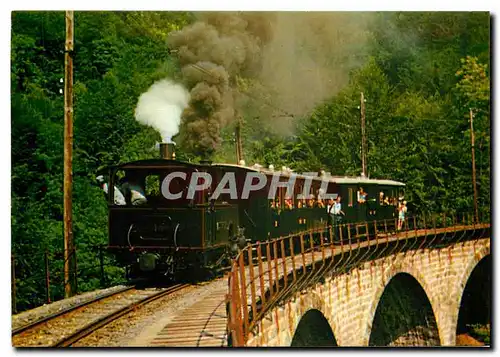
(350, 197)
(116, 181)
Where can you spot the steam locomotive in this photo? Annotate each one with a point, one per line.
(180, 231)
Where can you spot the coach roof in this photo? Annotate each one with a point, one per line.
(336, 179)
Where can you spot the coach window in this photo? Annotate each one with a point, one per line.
(277, 202)
(394, 198)
(384, 199)
(298, 191)
(281, 196)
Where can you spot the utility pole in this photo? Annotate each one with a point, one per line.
(476, 213)
(68, 148)
(363, 136)
(239, 146)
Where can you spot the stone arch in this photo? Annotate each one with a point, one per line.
(313, 330)
(474, 295)
(458, 290)
(388, 274)
(404, 315)
(305, 301)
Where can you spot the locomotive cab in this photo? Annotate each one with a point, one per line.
(170, 228)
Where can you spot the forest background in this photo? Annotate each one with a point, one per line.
(420, 74)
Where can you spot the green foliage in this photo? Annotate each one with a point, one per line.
(118, 55)
(424, 72)
(481, 332)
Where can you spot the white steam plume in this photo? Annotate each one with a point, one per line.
(161, 107)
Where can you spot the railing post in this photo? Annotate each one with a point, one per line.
(341, 236)
(283, 261)
(244, 299)
(311, 246)
(276, 270)
(47, 276)
(332, 249)
(292, 249)
(13, 283)
(101, 263)
(302, 251)
(252, 281)
(261, 275)
(322, 245)
(270, 269)
(235, 308)
(75, 274)
(349, 233)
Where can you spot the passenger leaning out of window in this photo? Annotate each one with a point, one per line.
(362, 195)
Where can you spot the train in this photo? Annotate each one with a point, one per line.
(179, 231)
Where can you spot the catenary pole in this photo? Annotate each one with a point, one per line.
(476, 212)
(363, 136)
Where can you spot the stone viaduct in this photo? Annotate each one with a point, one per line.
(417, 297)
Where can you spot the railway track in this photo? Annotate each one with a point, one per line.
(66, 327)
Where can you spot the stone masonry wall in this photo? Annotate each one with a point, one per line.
(349, 301)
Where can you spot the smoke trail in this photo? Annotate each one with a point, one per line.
(213, 52)
(161, 107)
(288, 63)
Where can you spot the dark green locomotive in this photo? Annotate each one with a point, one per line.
(190, 233)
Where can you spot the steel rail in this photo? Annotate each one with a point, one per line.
(105, 320)
(54, 315)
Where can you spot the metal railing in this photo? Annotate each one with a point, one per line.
(264, 274)
(38, 278)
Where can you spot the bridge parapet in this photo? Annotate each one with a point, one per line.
(266, 274)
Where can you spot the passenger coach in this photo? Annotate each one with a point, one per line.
(189, 231)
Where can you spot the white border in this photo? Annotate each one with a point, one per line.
(196, 5)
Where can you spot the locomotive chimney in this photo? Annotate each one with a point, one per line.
(167, 151)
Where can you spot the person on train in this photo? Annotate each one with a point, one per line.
(362, 195)
(335, 210)
(311, 201)
(320, 202)
(118, 198)
(401, 214)
(133, 189)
